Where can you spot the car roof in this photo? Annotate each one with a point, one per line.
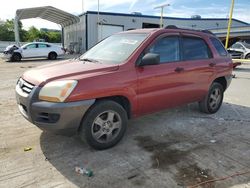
(244, 44)
(168, 30)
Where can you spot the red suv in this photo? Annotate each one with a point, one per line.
(127, 75)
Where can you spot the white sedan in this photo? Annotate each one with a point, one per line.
(33, 50)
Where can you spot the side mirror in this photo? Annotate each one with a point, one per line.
(150, 59)
(25, 48)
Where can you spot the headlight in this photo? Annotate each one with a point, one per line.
(57, 91)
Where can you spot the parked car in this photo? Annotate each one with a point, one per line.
(33, 50)
(126, 75)
(235, 54)
(240, 50)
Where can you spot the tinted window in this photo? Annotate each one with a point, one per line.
(31, 46)
(195, 48)
(219, 47)
(42, 46)
(237, 46)
(167, 48)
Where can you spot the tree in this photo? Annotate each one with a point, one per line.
(7, 31)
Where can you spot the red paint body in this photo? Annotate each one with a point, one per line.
(149, 88)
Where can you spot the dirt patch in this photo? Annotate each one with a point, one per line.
(164, 153)
(192, 175)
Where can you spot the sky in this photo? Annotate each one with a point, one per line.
(177, 8)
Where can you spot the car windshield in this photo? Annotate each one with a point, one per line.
(114, 49)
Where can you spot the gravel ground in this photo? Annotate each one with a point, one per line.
(175, 148)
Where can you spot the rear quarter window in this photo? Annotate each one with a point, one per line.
(219, 47)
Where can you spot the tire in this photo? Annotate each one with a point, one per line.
(104, 125)
(16, 57)
(247, 56)
(212, 102)
(52, 56)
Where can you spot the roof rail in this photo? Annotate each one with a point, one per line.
(175, 27)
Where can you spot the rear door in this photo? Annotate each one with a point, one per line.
(164, 85)
(199, 65)
(43, 50)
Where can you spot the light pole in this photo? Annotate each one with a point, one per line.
(229, 24)
(162, 8)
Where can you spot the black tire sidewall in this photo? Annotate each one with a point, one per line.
(248, 56)
(86, 126)
(214, 86)
(16, 57)
(52, 56)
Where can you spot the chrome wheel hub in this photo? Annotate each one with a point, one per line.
(106, 126)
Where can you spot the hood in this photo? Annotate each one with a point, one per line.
(11, 48)
(69, 69)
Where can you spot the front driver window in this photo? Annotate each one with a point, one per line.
(31, 46)
(167, 48)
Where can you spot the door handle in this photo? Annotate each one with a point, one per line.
(179, 69)
(212, 64)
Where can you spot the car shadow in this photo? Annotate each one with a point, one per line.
(115, 166)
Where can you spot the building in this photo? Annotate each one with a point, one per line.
(93, 27)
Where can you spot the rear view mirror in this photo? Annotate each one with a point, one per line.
(150, 59)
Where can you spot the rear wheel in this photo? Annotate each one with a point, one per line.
(212, 102)
(104, 125)
(52, 56)
(16, 57)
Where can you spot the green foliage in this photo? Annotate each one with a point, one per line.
(7, 33)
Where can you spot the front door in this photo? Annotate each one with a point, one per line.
(161, 86)
(30, 50)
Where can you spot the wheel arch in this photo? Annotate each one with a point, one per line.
(52, 52)
(221, 80)
(248, 54)
(122, 100)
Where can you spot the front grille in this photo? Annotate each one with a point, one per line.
(25, 86)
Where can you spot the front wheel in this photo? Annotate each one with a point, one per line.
(248, 56)
(16, 57)
(104, 124)
(212, 102)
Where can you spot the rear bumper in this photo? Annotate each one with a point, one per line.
(55, 117)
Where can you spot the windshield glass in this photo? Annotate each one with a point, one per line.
(114, 49)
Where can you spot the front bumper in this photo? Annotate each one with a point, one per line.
(7, 56)
(55, 117)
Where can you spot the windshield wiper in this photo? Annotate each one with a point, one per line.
(89, 60)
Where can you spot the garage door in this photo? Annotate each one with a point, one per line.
(107, 30)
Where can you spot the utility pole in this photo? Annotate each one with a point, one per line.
(162, 9)
(229, 24)
(98, 10)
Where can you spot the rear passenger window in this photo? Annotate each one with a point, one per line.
(195, 48)
(42, 46)
(167, 48)
(219, 47)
